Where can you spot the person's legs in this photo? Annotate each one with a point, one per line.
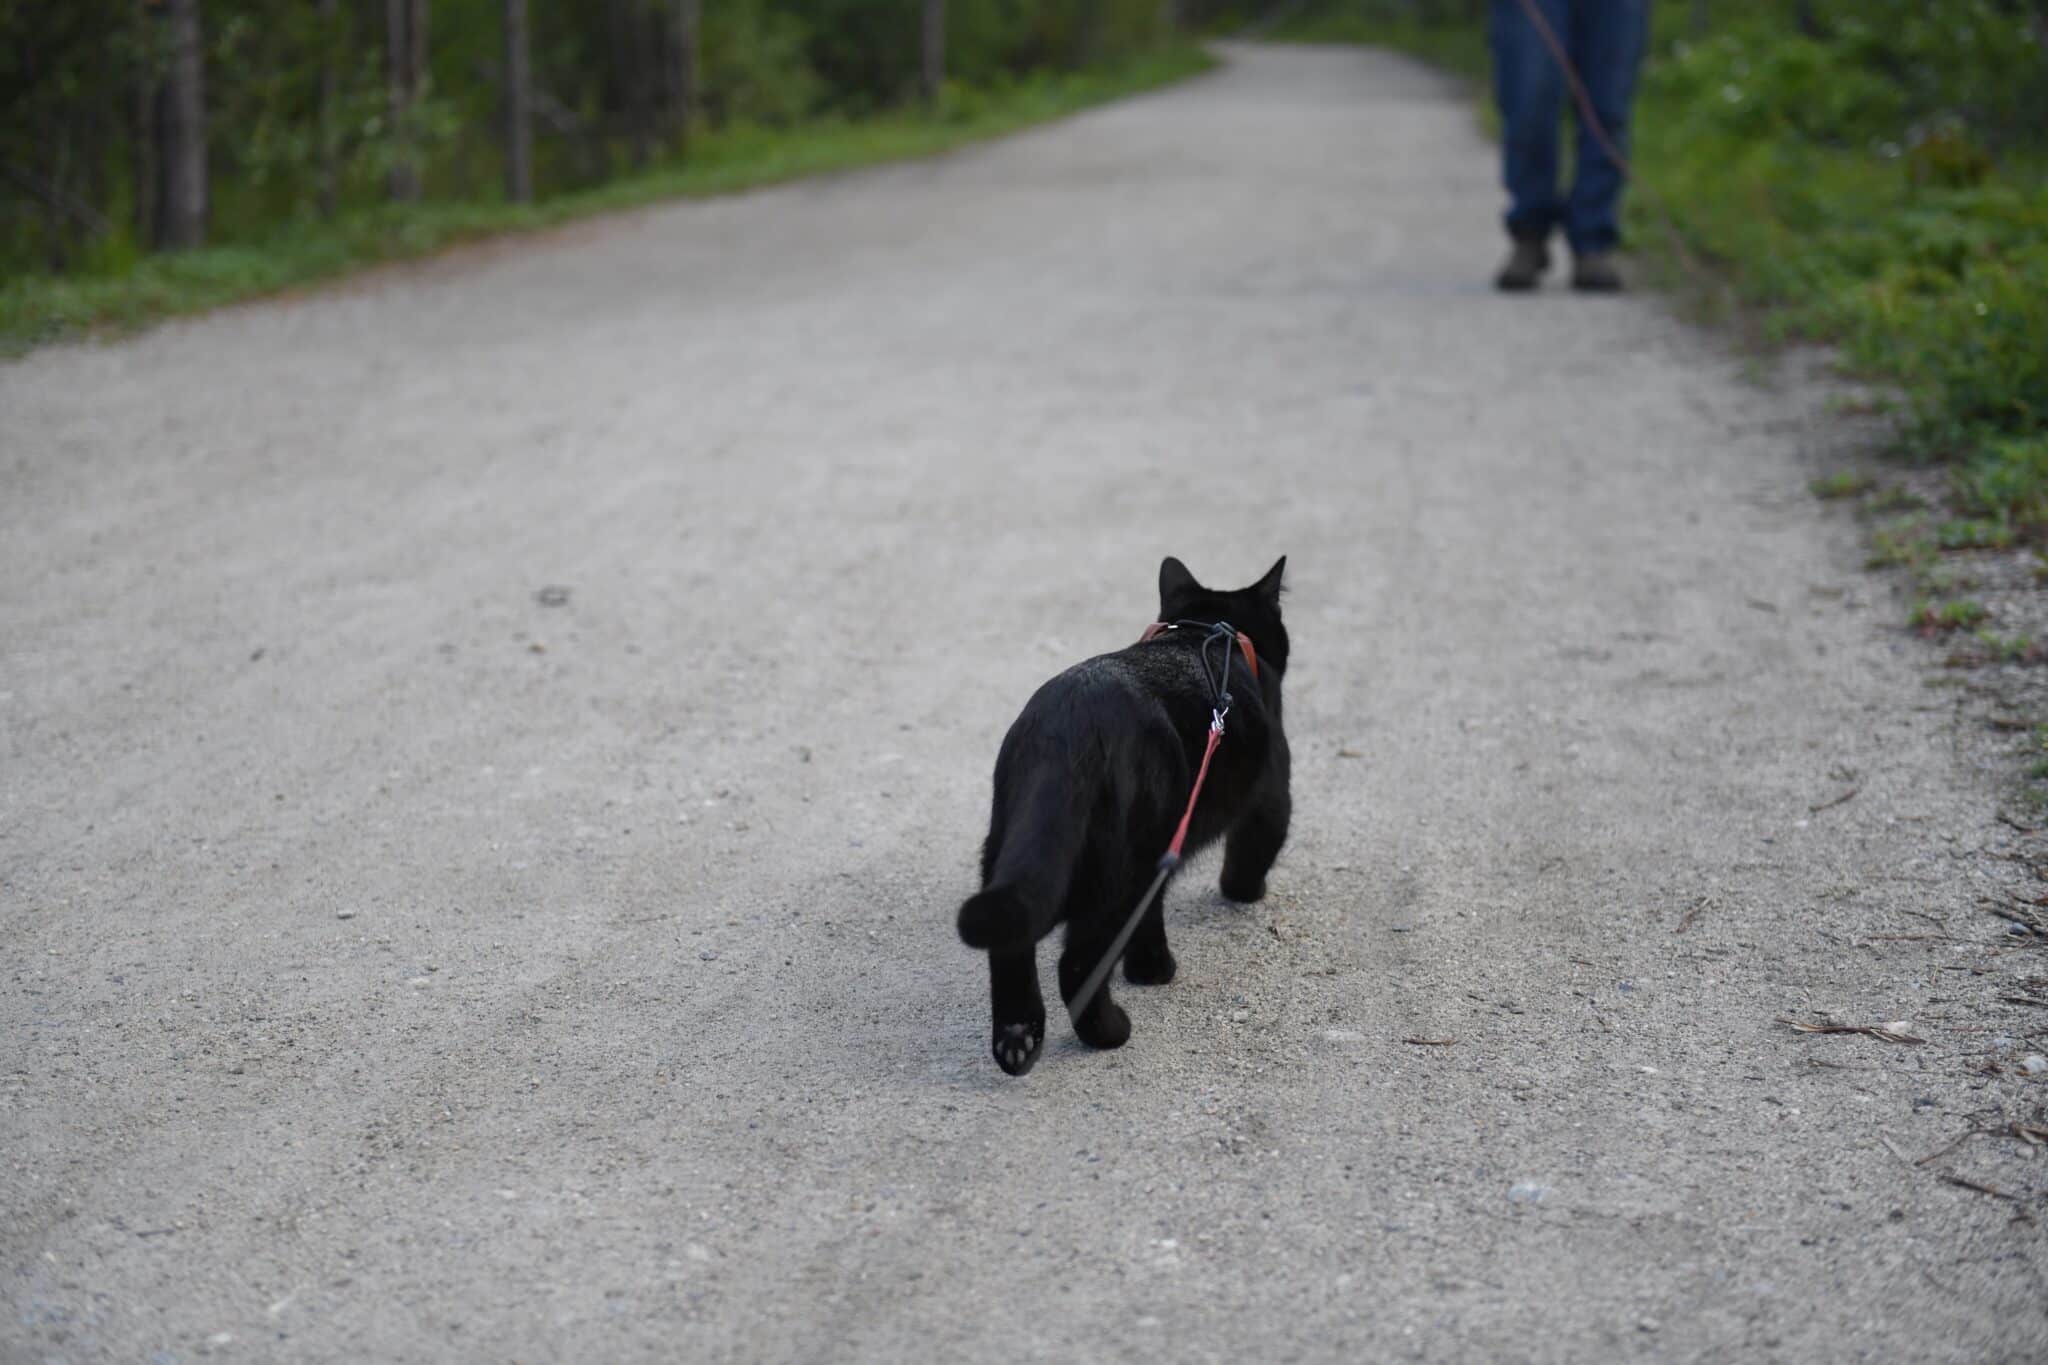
(1529, 89)
(1606, 40)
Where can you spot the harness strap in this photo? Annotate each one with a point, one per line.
(1244, 644)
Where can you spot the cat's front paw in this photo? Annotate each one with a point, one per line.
(1235, 886)
(1150, 969)
(1016, 1046)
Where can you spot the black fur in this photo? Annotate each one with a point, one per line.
(1090, 784)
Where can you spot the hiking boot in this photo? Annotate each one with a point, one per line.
(1594, 273)
(1525, 265)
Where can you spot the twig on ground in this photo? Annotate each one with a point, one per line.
(1430, 1042)
(1887, 1032)
(2016, 911)
(1939, 1284)
(1943, 1150)
(1830, 805)
(1692, 913)
(1980, 1187)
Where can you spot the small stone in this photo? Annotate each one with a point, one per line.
(344, 914)
(1528, 1192)
(2033, 1064)
(708, 955)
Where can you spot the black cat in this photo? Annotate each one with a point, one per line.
(1090, 784)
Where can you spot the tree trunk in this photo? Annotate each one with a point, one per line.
(639, 88)
(687, 16)
(184, 216)
(518, 107)
(330, 169)
(405, 66)
(142, 145)
(934, 72)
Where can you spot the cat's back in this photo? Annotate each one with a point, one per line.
(1109, 689)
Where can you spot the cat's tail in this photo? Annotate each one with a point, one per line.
(1034, 863)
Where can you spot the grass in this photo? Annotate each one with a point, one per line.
(1936, 618)
(1901, 542)
(35, 309)
(1842, 484)
(1994, 648)
(1893, 498)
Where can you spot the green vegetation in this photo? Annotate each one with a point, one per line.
(1842, 484)
(125, 287)
(169, 156)
(1893, 498)
(1876, 177)
(1938, 617)
(1994, 648)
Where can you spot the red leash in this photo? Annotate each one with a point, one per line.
(1078, 1006)
(1180, 836)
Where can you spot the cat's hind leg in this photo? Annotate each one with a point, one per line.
(1019, 1030)
(1252, 845)
(1148, 961)
(1102, 1023)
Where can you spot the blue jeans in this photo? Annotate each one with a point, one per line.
(1605, 40)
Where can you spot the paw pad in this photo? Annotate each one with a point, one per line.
(1016, 1047)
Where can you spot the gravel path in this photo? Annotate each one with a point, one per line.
(404, 963)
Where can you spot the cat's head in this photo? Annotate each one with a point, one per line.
(1254, 610)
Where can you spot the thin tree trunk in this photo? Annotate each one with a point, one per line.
(934, 71)
(330, 170)
(518, 107)
(639, 94)
(688, 14)
(185, 145)
(142, 145)
(405, 59)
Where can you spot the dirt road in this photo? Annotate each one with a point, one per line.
(489, 757)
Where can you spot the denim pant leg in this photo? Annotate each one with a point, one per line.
(1529, 89)
(1606, 40)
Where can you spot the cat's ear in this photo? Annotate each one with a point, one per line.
(1175, 582)
(1268, 588)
